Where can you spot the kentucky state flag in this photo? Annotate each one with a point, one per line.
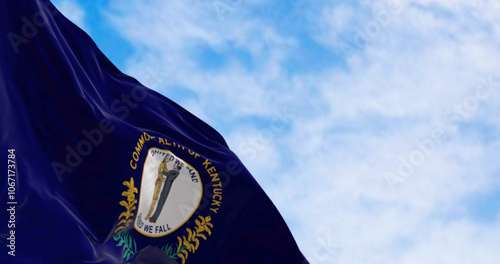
(100, 169)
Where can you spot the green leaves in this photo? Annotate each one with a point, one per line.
(127, 241)
(168, 250)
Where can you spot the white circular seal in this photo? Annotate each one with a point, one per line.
(171, 191)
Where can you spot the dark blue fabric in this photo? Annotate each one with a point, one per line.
(57, 91)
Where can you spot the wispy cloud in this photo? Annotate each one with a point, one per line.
(322, 141)
(73, 11)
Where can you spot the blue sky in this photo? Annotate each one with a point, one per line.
(373, 125)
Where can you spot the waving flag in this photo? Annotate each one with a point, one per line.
(101, 169)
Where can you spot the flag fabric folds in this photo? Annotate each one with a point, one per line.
(101, 169)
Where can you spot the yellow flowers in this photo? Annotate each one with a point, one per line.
(186, 244)
(129, 204)
(192, 242)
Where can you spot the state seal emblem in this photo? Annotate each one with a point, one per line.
(171, 191)
(165, 210)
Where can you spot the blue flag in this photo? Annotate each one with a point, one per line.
(100, 169)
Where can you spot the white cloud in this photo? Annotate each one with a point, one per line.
(73, 11)
(170, 31)
(348, 126)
